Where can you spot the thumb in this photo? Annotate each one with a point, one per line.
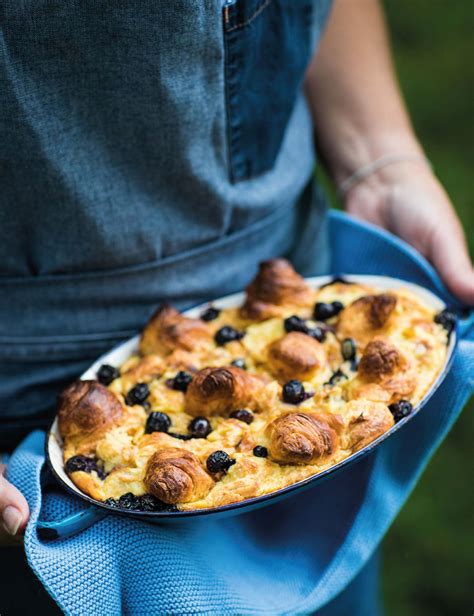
(449, 255)
(14, 510)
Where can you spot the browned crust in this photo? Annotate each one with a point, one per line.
(296, 356)
(372, 422)
(86, 408)
(276, 284)
(366, 317)
(169, 330)
(221, 390)
(304, 438)
(176, 475)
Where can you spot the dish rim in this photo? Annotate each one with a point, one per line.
(124, 349)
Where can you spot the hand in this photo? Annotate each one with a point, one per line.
(407, 199)
(14, 510)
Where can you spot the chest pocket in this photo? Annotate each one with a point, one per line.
(267, 49)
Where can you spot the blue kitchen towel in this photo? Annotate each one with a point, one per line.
(292, 557)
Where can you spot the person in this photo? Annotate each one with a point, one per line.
(158, 151)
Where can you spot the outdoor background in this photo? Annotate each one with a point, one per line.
(428, 556)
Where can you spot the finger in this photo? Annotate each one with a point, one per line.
(14, 510)
(449, 255)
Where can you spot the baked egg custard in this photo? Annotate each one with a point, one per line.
(244, 401)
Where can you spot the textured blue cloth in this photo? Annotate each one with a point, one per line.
(293, 557)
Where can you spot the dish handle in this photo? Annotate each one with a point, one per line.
(70, 525)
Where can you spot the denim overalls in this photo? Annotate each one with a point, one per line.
(149, 151)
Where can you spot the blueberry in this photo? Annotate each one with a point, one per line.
(227, 334)
(148, 502)
(219, 461)
(317, 333)
(210, 314)
(111, 502)
(348, 349)
(199, 427)
(181, 381)
(181, 437)
(157, 422)
(336, 378)
(106, 374)
(239, 363)
(295, 324)
(129, 501)
(400, 409)
(83, 463)
(447, 319)
(293, 392)
(260, 451)
(138, 394)
(243, 415)
(337, 307)
(323, 311)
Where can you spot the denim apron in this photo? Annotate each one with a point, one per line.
(149, 152)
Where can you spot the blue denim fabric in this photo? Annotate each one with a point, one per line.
(115, 186)
(267, 49)
(113, 134)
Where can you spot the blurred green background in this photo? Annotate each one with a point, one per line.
(428, 555)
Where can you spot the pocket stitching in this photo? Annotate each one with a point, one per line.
(251, 18)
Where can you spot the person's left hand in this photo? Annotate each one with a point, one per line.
(408, 200)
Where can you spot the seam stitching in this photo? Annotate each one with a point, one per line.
(250, 19)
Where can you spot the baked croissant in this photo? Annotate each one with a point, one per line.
(176, 475)
(369, 421)
(383, 364)
(303, 438)
(86, 408)
(217, 391)
(276, 285)
(295, 356)
(168, 330)
(367, 317)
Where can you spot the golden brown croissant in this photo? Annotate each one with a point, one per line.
(366, 317)
(276, 284)
(295, 356)
(303, 438)
(86, 408)
(176, 475)
(369, 421)
(384, 364)
(168, 330)
(217, 391)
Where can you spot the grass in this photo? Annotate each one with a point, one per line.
(428, 553)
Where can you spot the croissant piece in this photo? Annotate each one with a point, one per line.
(168, 330)
(384, 364)
(296, 356)
(176, 475)
(303, 438)
(217, 391)
(370, 420)
(276, 284)
(366, 317)
(87, 407)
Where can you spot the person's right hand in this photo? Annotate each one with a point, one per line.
(14, 510)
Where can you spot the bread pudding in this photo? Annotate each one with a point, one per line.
(246, 400)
